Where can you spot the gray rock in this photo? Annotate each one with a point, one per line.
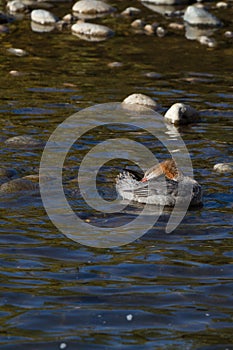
(43, 17)
(199, 16)
(91, 31)
(91, 8)
(136, 100)
(23, 141)
(18, 185)
(180, 113)
(131, 11)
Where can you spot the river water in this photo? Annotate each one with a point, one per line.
(161, 291)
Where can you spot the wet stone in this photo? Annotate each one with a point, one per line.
(223, 167)
(141, 100)
(16, 6)
(180, 113)
(18, 185)
(131, 11)
(43, 17)
(23, 141)
(92, 8)
(91, 31)
(199, 16)
(17, 52)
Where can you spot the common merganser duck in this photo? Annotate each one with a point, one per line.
(163, 184)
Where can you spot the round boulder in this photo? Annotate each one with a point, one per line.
(91, 31)
(43, 17)
(141, 100)
(91, 8)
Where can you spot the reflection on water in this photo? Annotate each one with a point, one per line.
(163, 291)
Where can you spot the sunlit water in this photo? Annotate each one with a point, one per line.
(163, 291)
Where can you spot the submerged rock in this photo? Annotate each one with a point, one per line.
(223, 167)
(199, 16)
(43, 17)
(91, 31)
(131, 11)
(180, 113)
(23, 141)
(7, 172)
(18, 185)
(91, 8)
(142, 100)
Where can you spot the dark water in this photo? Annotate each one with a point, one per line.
(163, 291)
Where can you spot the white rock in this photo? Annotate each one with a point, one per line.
(129, 317)
(223, 167)
(221, 5)
(15, 6)
(198, 15)
(140, 99)
(92, 7)
(43, 17)
(205, 40)
(91, 31)
(180, 113)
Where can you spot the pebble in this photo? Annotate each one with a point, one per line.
(151, 28)
(141, 100)
(228, 34)
(16, 73)
(180, 113)
(115, 64)
(161, 32)
(3, 29)
(18, 185)
(91, 31)
(221, 5)
(153, 75)
(198, 15)
(223, 167)
(91, 8)
(138, 24)
(43, 17)
(129, 317)
(176, 26)
(17, 52)
(205, 40)
(23, 141)
(131, 11)
(16, 6)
